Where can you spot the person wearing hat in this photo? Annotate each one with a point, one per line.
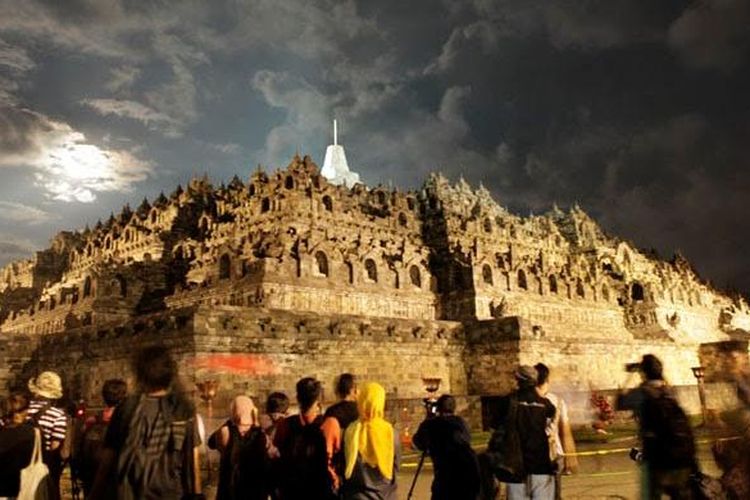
(523, 416)
(46, 389)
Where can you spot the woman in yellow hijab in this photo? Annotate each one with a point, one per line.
(371, 450)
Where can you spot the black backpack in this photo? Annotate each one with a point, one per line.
(668, 441)
(251, 464)
(504, 456)
(155, 460)
(305, 458)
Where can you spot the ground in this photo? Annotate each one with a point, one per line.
(605, 471)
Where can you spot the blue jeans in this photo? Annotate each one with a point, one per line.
(535, 487)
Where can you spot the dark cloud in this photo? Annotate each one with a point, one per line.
(638, 110)
(713, 34)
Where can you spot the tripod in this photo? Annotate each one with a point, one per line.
(416, 475)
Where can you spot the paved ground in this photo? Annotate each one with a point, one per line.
(605, 472)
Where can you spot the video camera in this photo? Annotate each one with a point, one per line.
(430, 407)
(632, 367)
(431, 385)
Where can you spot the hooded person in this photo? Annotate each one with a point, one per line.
(371, 449)
(242, 445)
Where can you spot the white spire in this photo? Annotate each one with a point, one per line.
(335, 168)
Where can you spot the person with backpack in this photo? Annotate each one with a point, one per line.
(46, 389)
(562, 444)
(17, 437)
(303, 466)
(668, 445)
(89, 447)
(336, 419)
(152, 441)
(518, 452)
(243, 468)
(446, 438)
(371, 450)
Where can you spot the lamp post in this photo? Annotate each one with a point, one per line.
(431, 385)
(208, 390)
(699, 373)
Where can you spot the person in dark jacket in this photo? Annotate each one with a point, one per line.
(335, 421)
(667, 466)
(535, 478)
(244, 461)
(447, 440)
(303, 470)
(89, 447)
(16, 444)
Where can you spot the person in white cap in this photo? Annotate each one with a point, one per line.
(46, 389)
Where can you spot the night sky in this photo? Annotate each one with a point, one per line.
(637, 110)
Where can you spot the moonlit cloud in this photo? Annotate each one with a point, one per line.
(76, 171)
(63, 163)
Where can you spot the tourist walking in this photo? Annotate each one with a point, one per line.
(47, 389)
(303, 466)
(447, 440)
(667, 438)
(152, 440)
(89, 448)
(336, 419)
(371, 450)
(243, 468)
(518, 452)
(17, 436)
(562, 445)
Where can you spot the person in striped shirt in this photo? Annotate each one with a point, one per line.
(46, 389)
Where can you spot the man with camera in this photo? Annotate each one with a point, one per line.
(668, 455)
(446, 438)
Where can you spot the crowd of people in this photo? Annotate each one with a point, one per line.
(146, 445)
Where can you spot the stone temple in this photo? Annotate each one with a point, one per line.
(257, 283)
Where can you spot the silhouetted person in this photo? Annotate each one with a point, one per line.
(16, 443)
(336, 419)
(666, 435)
(152, 439)
(243, 470)
(447, 440)
(277, 409)
(559, 431)
(303, 471)
(91, 443)
(522, 419)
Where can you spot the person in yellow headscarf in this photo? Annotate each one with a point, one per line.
(370, 449)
